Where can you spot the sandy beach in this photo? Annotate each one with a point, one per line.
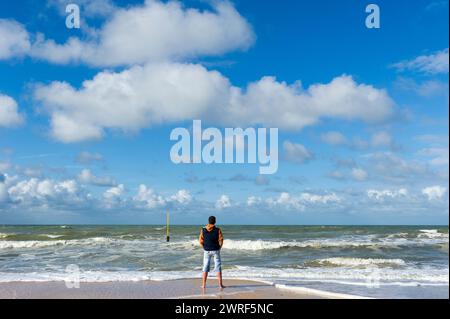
(183, 288)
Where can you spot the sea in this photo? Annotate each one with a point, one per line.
(369, 261)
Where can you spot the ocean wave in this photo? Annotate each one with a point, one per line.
(357, 262)
(351, 276)
(432, 233)
(367, 241)
(51, 236)
(259, 244)
(13, 244)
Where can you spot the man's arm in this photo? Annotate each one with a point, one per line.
(220, 238)
(200, 237)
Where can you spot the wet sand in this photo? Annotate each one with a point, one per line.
(183, 288)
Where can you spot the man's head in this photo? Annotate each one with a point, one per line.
(212, 220)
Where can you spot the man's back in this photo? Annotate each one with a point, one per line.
(211, 239)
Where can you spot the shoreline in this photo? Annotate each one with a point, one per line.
(168, 289)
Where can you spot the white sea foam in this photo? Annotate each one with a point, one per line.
(356, 262)
(320, 293)
(357, 241)
(351, 276)
(432, 234)
(367, 241)
(51, 236)
(11, 244)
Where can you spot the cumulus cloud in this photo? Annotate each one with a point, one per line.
(114, 192)
(42, 190)
(300, 201)
(386, 193)
(334, 138)
(223, 202)
(171, 92)
(359, 174)
(87, 177)
(148, 198)
(438, 155)
(290, 107)
(14, 39)
(393, 168)
(434, 192)
(9, 114)
(154, 31)
(50, 195)
(426, 88)
(3, 192)
(381, 139)
(182, 196)
(317, 198)
(4, 166)
(296, 152)
(431, 64)
(253, 200)
(130, 100)
(88, 158)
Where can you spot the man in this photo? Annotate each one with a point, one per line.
(211, 239)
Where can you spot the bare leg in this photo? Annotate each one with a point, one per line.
(204, 277)
(219, 276)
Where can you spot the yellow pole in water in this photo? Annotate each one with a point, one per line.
(167, 227)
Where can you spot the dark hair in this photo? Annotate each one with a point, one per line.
(212, 220)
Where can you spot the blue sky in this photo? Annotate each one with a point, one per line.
(86, 114)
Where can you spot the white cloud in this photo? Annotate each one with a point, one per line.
(433, 64)
(223, 202)
(114, 192)
(439, 155)
(182, 196)
(155, 31)
(301, 201)
(334, 138)
(170, 92)
(427, 88)
(434, 192)
(383, 194)
(9, 115)
(378, 139)
(393, 168)
(253, 200)
(432, 139)
(4, 166)
(296, 152)
(132, 99)
(87, 157)
(3, 193)
(148, 197)
(35, 189)
(285, 199)
(359, 174)
(290, 107)
(336, 174)
(317, 198)
(87, 177)
(381, 139)
(14, 39)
